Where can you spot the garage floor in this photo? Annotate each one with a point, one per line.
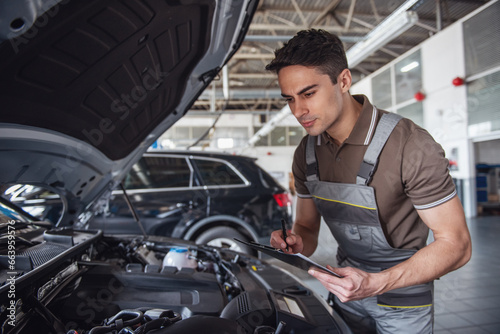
(466, 300)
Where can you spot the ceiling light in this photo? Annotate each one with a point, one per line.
(390, 28)
(409, 67)
(225, 143)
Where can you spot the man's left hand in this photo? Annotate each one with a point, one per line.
(354, 285)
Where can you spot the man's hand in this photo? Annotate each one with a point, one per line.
(303, 238)
(354, 285)
(295, 243)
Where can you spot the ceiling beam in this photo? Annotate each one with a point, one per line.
(265, 56)
(285, 38)
(330, 8)
(347, 24)
(282, 27)
(253, 76)
(299, 12)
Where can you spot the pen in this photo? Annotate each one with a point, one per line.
(283, 229)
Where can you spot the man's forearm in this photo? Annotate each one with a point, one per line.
(429, 263)
(307, 224)
(309, 238)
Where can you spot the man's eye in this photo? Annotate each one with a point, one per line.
(309, 94)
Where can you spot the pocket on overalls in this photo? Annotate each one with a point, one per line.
(355, 240)
(410, 300)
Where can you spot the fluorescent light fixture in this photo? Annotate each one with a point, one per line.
(393, 26)
(409, 67)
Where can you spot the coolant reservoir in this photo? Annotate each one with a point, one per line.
(179, 257)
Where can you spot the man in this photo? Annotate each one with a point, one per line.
(379, 181)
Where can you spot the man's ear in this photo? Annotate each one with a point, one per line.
(345, 80)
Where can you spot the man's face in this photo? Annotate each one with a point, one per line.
(314, 100)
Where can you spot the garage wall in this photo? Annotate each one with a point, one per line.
(445, 105)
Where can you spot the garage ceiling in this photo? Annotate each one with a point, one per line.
(252, 89)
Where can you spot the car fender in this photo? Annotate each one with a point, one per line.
(209, 220)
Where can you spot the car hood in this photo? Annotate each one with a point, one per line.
(86, 87)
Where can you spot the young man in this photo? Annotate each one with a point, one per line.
(379, 181)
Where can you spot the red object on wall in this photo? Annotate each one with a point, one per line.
(458, 81)
(419, 96)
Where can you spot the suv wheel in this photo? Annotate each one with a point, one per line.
(223, 236)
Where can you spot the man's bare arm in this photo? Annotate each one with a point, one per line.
(450, 250)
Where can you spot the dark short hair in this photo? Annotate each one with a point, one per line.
(312, 48)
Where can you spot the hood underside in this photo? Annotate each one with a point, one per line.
(89, 86)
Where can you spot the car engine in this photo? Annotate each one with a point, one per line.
(69, 281)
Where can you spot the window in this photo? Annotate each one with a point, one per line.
(414, 111)
(382, 90)
(230, 137)
(295, 135)
(217, 173)
(278, 136)
(483, 98)
(159, 172)
(481, 47)
(408, 77)
(264, 140)
(182, 136)
(281, 136)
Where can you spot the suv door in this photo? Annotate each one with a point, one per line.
(160, 188)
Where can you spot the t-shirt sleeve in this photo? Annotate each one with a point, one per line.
(299, 170)
(426, 177)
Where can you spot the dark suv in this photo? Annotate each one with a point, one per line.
(204, 197)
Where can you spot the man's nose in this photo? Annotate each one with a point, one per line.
(299, 108)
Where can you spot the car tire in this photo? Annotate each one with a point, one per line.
(223, 237)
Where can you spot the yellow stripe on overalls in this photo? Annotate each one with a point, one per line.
(332, 200)
(393, 306)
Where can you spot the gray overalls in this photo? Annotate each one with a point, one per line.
(350, 211)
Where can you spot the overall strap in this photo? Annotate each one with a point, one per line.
(311, 162)
(384, 129)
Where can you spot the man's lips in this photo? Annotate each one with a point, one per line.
(307, 124)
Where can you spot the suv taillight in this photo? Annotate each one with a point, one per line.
(282, 199)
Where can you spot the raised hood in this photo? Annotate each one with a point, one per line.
(87, 86)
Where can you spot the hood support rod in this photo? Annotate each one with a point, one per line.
(132, 209)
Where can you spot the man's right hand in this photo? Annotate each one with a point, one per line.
(295, 243)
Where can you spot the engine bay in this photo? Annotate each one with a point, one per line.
(68, 281)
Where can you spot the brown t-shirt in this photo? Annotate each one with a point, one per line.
(412, 173)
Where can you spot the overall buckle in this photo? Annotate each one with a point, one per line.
(366, 171)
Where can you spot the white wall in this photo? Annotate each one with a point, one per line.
(445, 106)
(363, 87)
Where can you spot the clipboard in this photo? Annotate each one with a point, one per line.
(296, 260)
